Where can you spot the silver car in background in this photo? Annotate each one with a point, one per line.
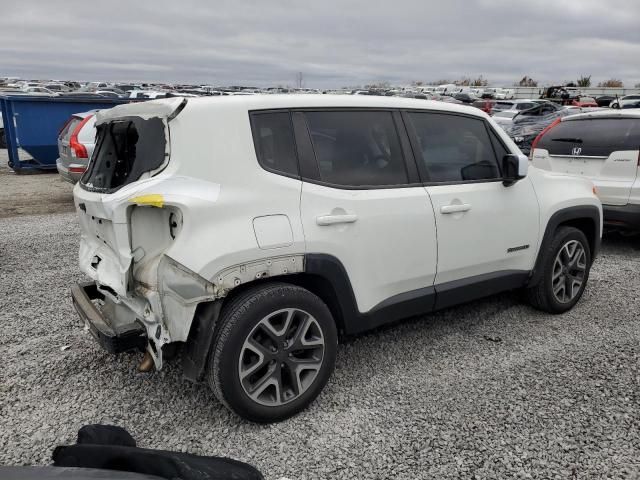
(76, 142)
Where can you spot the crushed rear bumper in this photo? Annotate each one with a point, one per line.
(114, 339)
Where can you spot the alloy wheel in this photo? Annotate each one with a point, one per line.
(569, 270)
(281, 357)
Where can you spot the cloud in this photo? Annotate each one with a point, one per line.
(334, 43)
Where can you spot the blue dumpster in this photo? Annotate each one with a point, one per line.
(33, 123)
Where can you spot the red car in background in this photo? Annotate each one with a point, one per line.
(584, 102)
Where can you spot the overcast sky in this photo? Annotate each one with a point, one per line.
(333, 43)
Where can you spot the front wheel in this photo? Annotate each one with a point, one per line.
(273, 352)
(566, 264)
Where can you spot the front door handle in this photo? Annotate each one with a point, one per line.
(325, 220)
(455, 208)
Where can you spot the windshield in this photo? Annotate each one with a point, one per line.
(65, 133)
(125, 149)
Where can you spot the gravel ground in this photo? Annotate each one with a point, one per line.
(492, 389)
(32, 193)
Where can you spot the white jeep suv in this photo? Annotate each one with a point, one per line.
(256, 230)
(603, 146)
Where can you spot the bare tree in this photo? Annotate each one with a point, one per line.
(440, 82)
(527, 82)
(381, 84)
(612, 83)
(584, 81)
(472, 82)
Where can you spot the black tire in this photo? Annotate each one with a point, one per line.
(238, 321)
(541, 296)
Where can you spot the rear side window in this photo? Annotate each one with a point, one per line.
(125, 149)
(69, 128)
(356, 148)
(274, 142)
(594, 137)
(455, 148)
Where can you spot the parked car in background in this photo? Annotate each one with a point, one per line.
(115, 90)
(445, 89)
(582, 101)
(526, 125)
(504, 117)
(560, 94)
(76, 142)
(127, 87)
(56, 87)
(447, 99)
(631, 104)
(109, 94)
(518, 105)
(146, 94)
(465, 97)
(605, 100)
(624, 101)
(302, 186)
(3, 139)
(603, 146)
(95, 85)
(38, 90)
(484, 104)
(497, 93)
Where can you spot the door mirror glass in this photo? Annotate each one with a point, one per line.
(514, 168)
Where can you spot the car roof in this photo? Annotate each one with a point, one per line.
(602, 114)
(265, 102)
(84, 114)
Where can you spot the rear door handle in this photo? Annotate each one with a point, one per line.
(455, 208)
(325, 220)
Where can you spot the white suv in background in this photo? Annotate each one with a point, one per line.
(254, 231)
(603, 146)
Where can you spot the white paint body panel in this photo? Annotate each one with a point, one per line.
(239, 220)
(614, 176)
(617, 177)
(273, 231)
(476, 241)
(389, 249)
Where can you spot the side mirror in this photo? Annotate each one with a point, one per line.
(514, 168)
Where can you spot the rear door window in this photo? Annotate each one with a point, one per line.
(69, 128)
(594, 137)
(125, 149)
(454, 148)
(274, 142)
(357, 148)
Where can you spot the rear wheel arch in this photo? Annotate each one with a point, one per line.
(324, 276)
